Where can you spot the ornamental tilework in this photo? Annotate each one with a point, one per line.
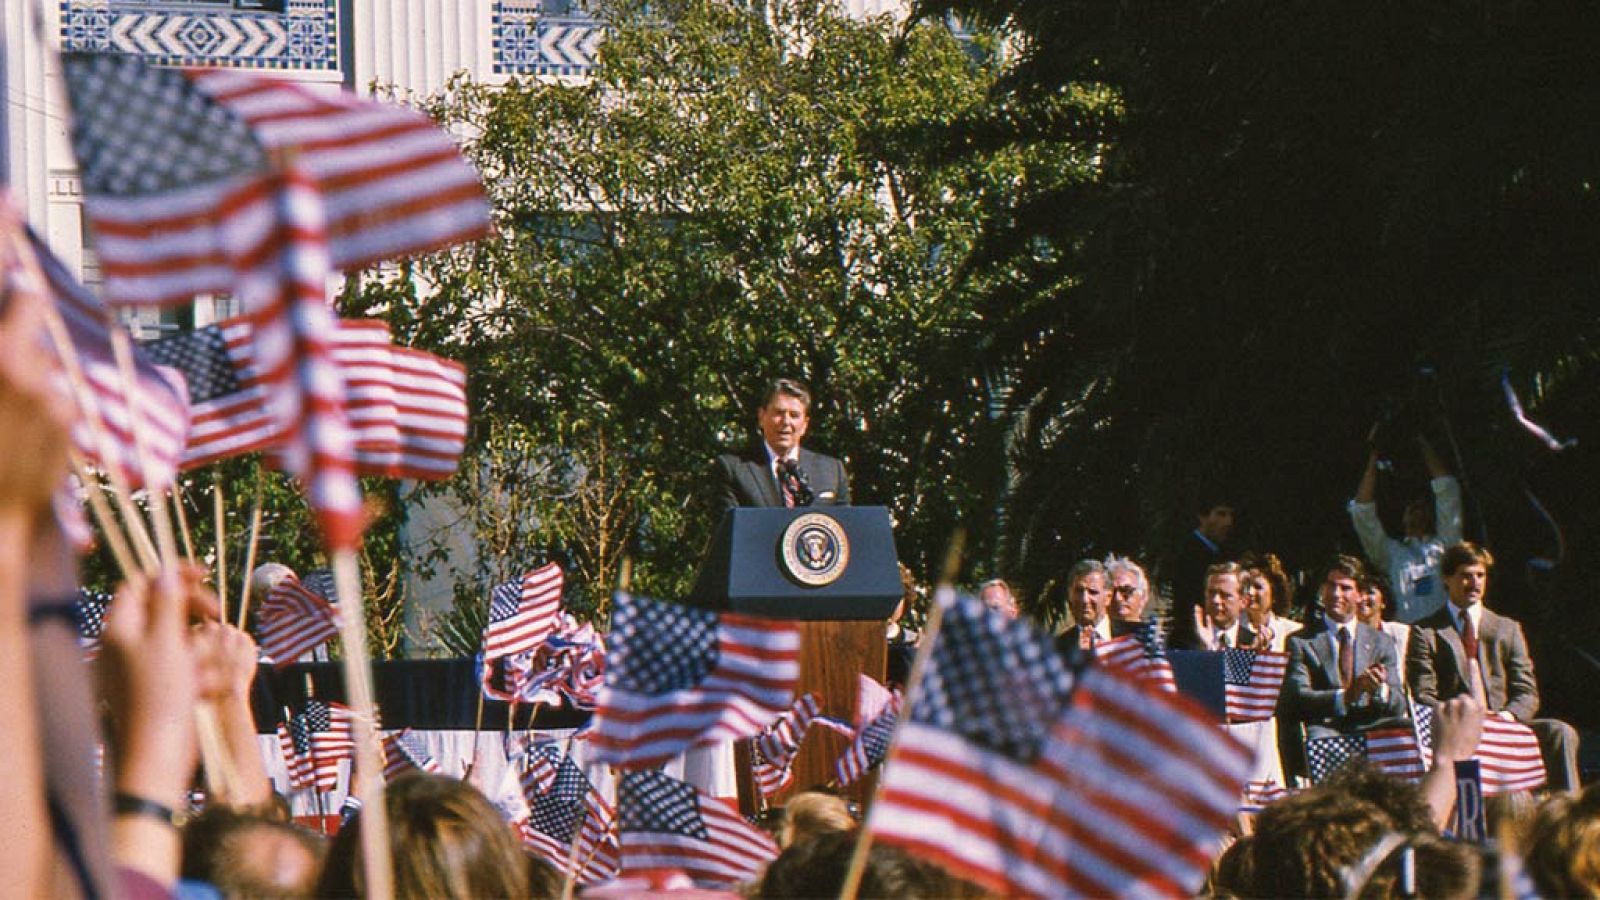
(530, 41)
(302, 38)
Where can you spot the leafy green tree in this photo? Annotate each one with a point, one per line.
(737, 193)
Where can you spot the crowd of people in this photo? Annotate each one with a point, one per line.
(167, 660)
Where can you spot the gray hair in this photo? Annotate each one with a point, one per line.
(1116, 565)
(1084, 567)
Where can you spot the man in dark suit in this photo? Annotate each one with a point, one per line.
(776, 470)
(1201, 549)
(1466, 649)
(1343, 675)
(1220, 624)
(1088, 599)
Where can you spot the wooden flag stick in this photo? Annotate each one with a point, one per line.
(166, 541)
(109, 526)
(569, 881)
(377, 865)
(219, 512)
(183, 524)
(250, 552)
(943, 595)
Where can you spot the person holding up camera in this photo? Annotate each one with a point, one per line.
(1411, 562)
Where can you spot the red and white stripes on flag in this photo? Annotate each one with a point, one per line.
(431, 401)
(1016, 774)
(776, 746)
(1509, 757)
(157, 400)
(1141, 652)
(173, 159)
(877, 714)
(679, 677)
(522, 614)
(292, 620)
(663, 823)
(1252, 681)
(403, 752)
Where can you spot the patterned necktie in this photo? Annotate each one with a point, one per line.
(1469, 638)
(1222, 641)
(1347, 660)
(786, 485)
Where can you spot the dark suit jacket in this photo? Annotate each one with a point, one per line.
(1246, 636)
(1313, 679)
(1436, 663)
(747, 478)
(1188, 581)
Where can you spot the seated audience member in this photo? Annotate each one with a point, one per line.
(1464, 649)
(1373, 607)
(1343, 674)
(816, 868)
(1265, 586)
(247, 856)
(1564, 845)
(996, 593)
(1088, 598)
(812, 813)
(1130, 589)
(447, 840)
(1220, 624)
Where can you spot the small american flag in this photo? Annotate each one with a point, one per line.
(775, 747)
(431, 399)
(1252, 680)
(293, 620)
(172, 159)
(1394, 750)
(681, 677)
(1262, 792)
(227, 401)
(158, 398)
(870, 746)
(314, 741)
(1508, 752)
(1025, 779)
(1142, 652)
(90, 614)
(664, 823)
(523, 613)
(403, 752)
(564, 807)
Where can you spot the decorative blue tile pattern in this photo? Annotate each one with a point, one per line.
(304, 37)
(530, 41)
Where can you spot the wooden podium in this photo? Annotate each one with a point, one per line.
(834, 570)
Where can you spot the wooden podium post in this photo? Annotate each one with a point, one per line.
(751, 569)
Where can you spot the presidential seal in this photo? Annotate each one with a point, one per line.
(814, 549)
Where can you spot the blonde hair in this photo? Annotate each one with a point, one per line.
(813, 813)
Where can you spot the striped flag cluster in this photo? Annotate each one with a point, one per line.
(1016, 774)
(679, 677)
(294, 620)
(564, 808)
(663, 823)
(1508, 753)
(523, 613)
(1252, 680)
(314, 741)
(403, 752)
(173, 162)
(156, 397)
(228, 182)
(1141, 652)
(407, 410)
(776, 746)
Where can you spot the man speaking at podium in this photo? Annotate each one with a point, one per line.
(775, 471)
